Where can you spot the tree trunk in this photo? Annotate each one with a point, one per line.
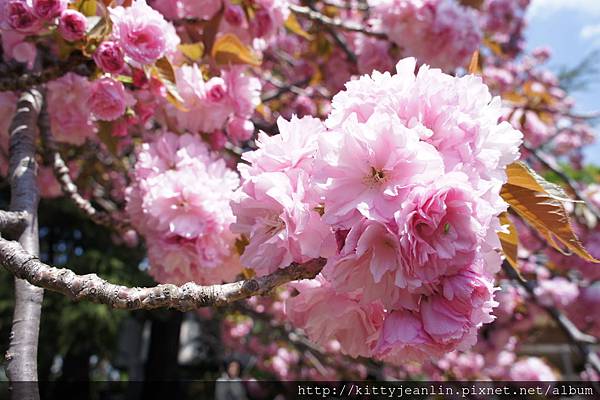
(22, 352)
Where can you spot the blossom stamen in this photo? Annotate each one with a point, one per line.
(376, 177)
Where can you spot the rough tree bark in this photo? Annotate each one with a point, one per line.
(22, 352)
(186, 297)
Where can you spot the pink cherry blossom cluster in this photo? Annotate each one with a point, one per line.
(497, 354)
(261, 20)
(504, 23)
(218, 105)
(437, 32)
(140, 36)
(399, 189)
(142, 33)
(503, 16)
(531, 369)
(275, 354)
(69, 109)
(179, 201)
(80, 108)
(579, 310)
(22, 18)
(556, 292)
(537, 105)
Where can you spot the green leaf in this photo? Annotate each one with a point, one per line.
(124, 79)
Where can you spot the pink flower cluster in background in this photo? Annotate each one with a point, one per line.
(179, 201)
(220, 103)
(69, 109)
(143, 33)
(441, 33)
(404, 176)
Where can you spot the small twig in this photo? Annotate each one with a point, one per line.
(334, 22)
(346, 6)
(281, 90)
(185, 297)
(585, 116)
(338, 39)
(61, 172)
(269, 128)
(582, 341)
(341, 42)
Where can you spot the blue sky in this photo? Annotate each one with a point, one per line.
(571, 28)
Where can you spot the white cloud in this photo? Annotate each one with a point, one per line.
(590, 31)
(547, 7)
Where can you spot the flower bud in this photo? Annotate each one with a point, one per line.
(262, 24)
(72, 25)
(239, 129)
(48, 9)
(234, 15)
(21, 17)
(108, 99)
(215, 90)
(109, 57)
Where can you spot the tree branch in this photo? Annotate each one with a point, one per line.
(18, 81)
(61, 172)
(283, 89)
(12, 220)
(346, 5)
(582, 341)
(334, 22)
(22, 352)
(185, 297)
(339, 40)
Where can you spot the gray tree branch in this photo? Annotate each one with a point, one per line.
(12, 220)
(186, 297)
(22, 352)
(61, 172)
(17, 80)
(334, 22)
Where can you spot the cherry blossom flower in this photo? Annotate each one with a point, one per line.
(143, 33)
(68, 107)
